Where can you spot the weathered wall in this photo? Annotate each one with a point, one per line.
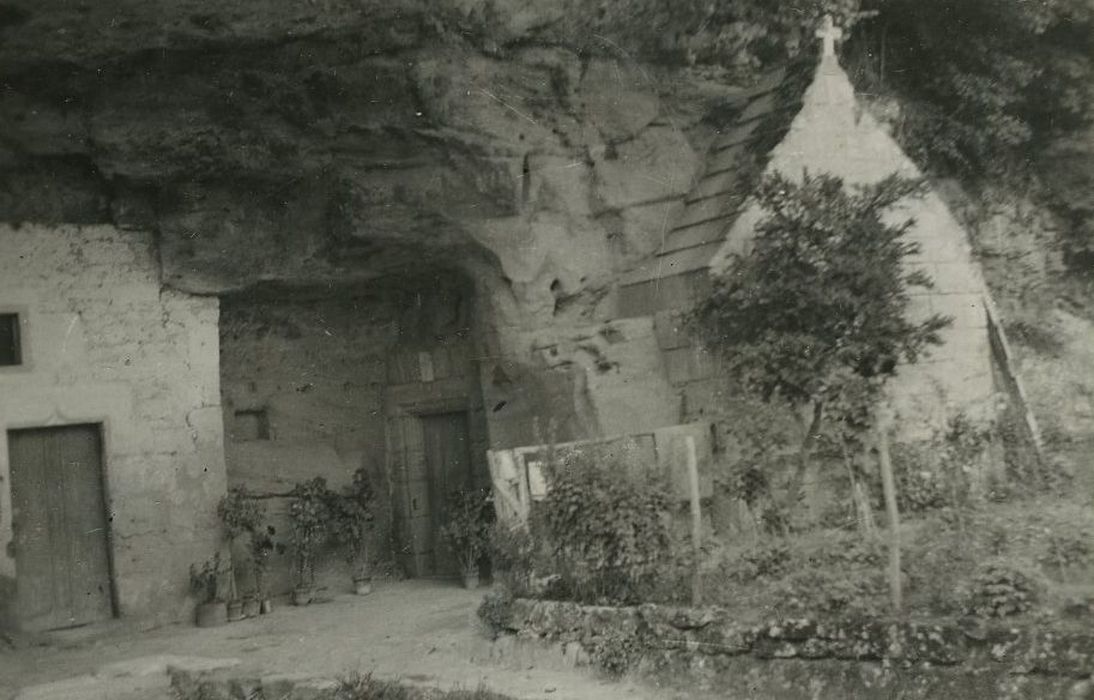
(587, 381)
(105, 343)
(341, 378)
(316, 369)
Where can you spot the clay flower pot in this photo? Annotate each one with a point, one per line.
(362, 585)
(471, 579)
(212, 614)
(235, 610)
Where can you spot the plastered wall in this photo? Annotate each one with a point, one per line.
(341, 376)
(316, 368)
(104, 343)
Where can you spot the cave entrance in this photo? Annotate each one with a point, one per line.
(436, 435)
(380, 376)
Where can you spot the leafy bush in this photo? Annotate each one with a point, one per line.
(351, 517)
(240, 512)
(467, 529)
(919, 484)
(846, 550)
(309, 521)
(766, 560)
(205, 582)
(939, 473)
(608, 532)
(514, 557)
(824, 592)
(1000, 590)
(496, 611)
(1068, 550)
(616, 653)
(360, 686)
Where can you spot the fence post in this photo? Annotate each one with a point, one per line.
(696, 520)
(888, 485)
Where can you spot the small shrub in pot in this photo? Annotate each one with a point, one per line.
(467, 530)
(351, 524)
(309, 518)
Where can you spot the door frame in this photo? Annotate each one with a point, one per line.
(436, 495)
(398, 470)
(102, 425)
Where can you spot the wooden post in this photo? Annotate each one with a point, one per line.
(888, 485)
(696, 520)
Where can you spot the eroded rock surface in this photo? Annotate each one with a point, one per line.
(341, 141)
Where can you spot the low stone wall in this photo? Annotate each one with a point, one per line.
(704, 649)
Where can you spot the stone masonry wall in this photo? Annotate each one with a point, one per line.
(796, 658)
(105, 343)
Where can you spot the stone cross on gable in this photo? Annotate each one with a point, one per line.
(829, 34)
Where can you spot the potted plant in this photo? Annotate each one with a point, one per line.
(212, 611)
(242, 514)
(467, 530)
(351, 525)
(309, 518)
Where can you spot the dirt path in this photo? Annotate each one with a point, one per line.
(419, 632)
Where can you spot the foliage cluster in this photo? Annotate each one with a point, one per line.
(615, 652)
(767, 559)
(496, 611)
(243, 513)
(360, 686)
(309, 520)
(608, 532)
(240, 512)
(515, 557)
(1069, 547)
(1000, 590)
(822, 297)
(205, 582)
(467, 529)
(985, 82)
(940, 472)
(319, 515)
(829, 592)
(761, 445)
(351, 517)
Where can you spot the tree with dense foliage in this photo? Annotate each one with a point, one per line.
(816, 313)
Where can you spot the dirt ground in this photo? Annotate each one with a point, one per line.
(420, 632)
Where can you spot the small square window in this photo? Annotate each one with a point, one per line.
(251, 425)
(11, 351)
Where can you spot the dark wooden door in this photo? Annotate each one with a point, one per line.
(62, 561)
(448, 466)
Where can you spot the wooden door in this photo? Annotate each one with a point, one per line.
(62, 561)
(448, 466)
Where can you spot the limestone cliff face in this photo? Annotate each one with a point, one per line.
(348, 141)
(514, 143)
